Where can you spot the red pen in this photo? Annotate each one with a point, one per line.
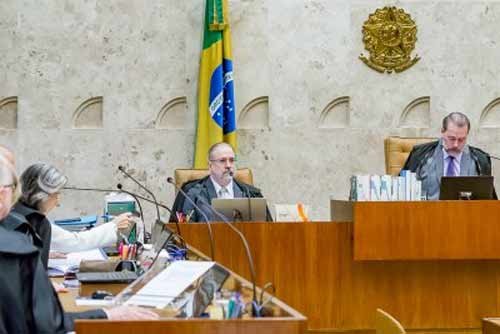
(120, 249)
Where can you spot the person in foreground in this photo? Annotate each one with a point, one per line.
(29, 303)
(41, 185)
(449, 156)
(218, 184)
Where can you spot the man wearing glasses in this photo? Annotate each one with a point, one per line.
(449, 156)
(218, 184)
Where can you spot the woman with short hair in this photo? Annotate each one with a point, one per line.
(29, 303)
(41, 184)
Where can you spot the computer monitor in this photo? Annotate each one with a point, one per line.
(466, 187)
(241, 209)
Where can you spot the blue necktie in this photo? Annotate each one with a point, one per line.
(450, 171)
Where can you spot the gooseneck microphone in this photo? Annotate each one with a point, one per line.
(236, 230)
(207, 221)
(247, 195)
(124, 172)
(136, 198)
(102, 190)
(247, 251)
(120, 186)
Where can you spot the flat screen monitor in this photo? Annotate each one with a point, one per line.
(241, 209)
(466, 187)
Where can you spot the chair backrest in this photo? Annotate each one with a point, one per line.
(387, 324)
(182, 176)
(397, 150)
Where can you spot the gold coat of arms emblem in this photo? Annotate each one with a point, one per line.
(389, 36)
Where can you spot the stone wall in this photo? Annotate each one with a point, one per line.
(90, 85)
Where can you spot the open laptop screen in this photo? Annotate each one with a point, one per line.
(241, 209)
(466, 187)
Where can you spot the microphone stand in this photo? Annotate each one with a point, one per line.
(209, 227)
(124, 172)
(109, 191)
(243, 240)
(136, 198)
(160, 204)
(158, 219)
(120, 186)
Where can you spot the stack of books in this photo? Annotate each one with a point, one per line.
(386, 187)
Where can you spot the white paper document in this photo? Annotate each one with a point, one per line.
(57, 267)
(169, 283)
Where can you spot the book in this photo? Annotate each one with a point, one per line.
(363, 187)
(395, 188)
(385, 188)
(375, 187)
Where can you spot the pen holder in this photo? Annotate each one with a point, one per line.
(126, 265)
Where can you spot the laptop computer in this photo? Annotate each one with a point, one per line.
(467, 187)
(124, 276)
(241, 209)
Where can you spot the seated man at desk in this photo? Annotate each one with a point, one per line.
(448, 156)
(218, 184)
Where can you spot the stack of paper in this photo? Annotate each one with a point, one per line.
(57, 267)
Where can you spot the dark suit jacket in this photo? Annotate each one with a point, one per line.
(38, 221)
(426, 160)
(202, 192)
(29, 303)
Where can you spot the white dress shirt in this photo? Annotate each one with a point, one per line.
(227, 194)
(100, 236)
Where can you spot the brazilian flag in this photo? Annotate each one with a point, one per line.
(216, 107)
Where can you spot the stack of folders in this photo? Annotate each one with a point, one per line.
(386, 187)
(77, 224)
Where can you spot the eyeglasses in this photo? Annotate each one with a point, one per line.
(223, 161)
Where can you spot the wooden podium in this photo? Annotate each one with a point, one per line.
(443, 275)
(431, 230)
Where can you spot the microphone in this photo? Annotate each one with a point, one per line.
(256, 307)
(160, 204)
(236, 230)
(494, 157)
(124, 172)
(186, 197)
(136, 198)
(109, 191)
(120, 186)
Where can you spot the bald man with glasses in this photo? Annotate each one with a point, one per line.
(220, 183)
